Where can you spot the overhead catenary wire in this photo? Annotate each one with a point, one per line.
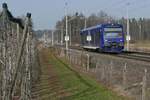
(142, 6)
(112, 4)
(120, 6)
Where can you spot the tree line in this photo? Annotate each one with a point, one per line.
(139, 27)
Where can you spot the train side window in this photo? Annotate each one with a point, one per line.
(98, 38)
(92, 36)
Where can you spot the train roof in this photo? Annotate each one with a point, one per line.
(99, 26)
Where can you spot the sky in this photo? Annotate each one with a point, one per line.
(46, 13)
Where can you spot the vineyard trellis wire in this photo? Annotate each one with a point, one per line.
(19, 66)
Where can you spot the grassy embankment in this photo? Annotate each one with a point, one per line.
(80, 86)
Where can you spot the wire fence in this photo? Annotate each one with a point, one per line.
(19, 66)
(123, 75)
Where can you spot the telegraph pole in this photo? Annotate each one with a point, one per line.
(85, 19)
(85, 23)
(128, 28)
(52, 38)
(66, 37)
(70, 35)
(140, 31)
(62, 34)
(45, 38)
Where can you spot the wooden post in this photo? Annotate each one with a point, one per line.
(103, 71)
(96, 68)
(18, 34)
(62, 54)
(70, 55)
(20, 52)
(124, 75)
(71, 59)
(13, 54)
(88, 62)
(81, 59)
(5, 67)
(144, 85)
(76, 60)
(27, 81)
(111, 72)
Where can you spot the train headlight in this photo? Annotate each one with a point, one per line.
(106, 40)
(121, 44)
(106, 43)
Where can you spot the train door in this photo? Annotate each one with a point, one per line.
(97, 38)
(100, 39)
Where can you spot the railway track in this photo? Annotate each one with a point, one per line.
(135, 56)
(139, 56)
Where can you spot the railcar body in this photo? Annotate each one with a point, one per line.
(103, 37)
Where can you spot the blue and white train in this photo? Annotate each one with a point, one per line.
(103, 37)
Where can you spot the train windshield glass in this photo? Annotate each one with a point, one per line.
(113, 33)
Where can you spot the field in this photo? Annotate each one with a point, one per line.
(60, 82)
(141, 46)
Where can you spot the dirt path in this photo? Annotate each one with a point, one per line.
(48, 87)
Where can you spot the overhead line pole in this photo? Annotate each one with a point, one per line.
(128, 28)
(66, 26)
(71, 29)
(52, 38)
(62, 34)
(85, 23)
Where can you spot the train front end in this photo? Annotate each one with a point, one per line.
(113, 38)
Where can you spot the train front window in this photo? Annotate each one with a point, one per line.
(112, 35)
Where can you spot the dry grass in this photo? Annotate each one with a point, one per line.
(143, 46)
